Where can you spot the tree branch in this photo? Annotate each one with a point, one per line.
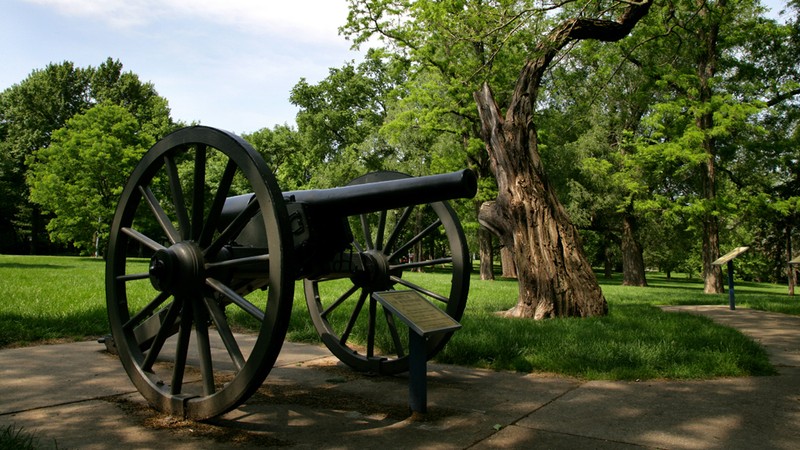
(781, 97)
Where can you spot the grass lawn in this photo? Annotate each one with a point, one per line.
(63, 298)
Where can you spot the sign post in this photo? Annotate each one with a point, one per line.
(423, 319)
(728, 259)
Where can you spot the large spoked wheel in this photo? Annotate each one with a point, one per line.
(177, 280)
(405, 249)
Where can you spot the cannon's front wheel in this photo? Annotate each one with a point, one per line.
(177, 281)
(421, 248)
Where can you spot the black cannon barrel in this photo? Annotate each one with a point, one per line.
(383, 195)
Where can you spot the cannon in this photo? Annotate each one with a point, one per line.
(204, 245)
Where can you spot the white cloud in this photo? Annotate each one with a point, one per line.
(230, 63)
(303, 20)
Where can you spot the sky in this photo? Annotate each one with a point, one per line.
(227, 64)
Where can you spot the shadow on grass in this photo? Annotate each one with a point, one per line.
(17, 265)
(20, 330)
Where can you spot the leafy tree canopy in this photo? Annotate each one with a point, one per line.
(31, 112)
(79, 176)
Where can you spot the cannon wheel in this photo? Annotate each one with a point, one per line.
(170, 315)
(366, 336)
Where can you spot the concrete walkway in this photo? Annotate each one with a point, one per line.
(79, 396)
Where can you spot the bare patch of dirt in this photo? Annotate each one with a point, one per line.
(150, 418)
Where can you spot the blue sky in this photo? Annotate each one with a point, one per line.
(228, 64)
(224, 63)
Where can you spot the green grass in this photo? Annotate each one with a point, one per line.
(57, 298)
(635, 341)
(13, 437)
(44, 298)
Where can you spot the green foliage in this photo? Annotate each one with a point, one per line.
(79, 176)
(34, 109)
(286, 155)
(340, 117)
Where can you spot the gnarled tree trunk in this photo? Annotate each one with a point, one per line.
(555, 278)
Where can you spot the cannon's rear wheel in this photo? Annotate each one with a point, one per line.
(351, 322)
(176, 287)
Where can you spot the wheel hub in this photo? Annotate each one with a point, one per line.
(178, 269)
(375, 275)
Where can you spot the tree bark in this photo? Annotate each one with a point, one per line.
(633, 273)
(706, 69)
(555, 278)
(507, 262)
(790, 272)
(486, 254)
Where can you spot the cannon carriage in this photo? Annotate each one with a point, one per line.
(203, 240)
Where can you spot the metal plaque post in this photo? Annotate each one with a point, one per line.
(423, 319)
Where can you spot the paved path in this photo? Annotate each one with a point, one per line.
(79, 396)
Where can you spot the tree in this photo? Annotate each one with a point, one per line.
(340, 117)
(555, 278)
(709, 97)
(79, 176)
(31, 111)
(286, 155)
(453, 46)
(456, 47)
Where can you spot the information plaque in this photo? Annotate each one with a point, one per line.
(728, 259)
(730, 255)
(422, 316)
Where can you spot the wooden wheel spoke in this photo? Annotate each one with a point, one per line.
(426, 263)
(133, 277)
(380, 231)
(339, 300)
(178, 200)
(182, 349)
(233, 229)
(219, 201)
(398, 344)
(161, 216)
(353, 317)
(204, 349)
(367, 232)
(401, 222)
(142, 239)
(237, 299)
(199, 191)
(420, 289)
(221, 322)
(163, 333)
(428, 230)
(147, 311)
